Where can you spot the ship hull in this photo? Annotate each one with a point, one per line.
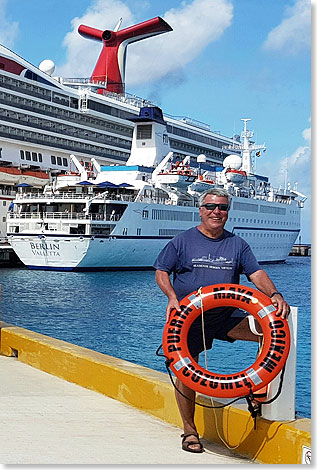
(87, 253)
(270, 237)
(73, 254)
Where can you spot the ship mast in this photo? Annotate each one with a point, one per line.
(246, 147)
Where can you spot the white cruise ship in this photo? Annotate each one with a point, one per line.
(121, 216)
(44, 119)
(72, 131)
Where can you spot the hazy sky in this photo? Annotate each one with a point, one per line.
(225, 60)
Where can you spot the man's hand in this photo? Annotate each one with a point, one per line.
(263, 283)
(283, 309)
(163, 281)
(172, 305)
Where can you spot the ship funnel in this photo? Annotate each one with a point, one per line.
(110, 67)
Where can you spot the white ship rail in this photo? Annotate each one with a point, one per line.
(68, 196)
(85, 84)
(72, 195)
(50, 215)
(71, 216)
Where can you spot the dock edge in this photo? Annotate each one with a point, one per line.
(151, 391)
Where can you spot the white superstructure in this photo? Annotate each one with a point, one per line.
(121, 216)
(45, 119)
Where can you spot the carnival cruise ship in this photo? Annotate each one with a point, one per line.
(63, 138)
(45, 119)
(121, 216)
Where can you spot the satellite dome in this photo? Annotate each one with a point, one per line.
(47, 66)
(232, 161)
(201, 158)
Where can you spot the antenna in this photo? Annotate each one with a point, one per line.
(117, 26)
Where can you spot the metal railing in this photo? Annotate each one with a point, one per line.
(64, 216)
(72, 195)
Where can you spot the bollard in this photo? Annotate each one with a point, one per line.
(283, 408)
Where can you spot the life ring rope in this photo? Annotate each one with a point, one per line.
(270, 361)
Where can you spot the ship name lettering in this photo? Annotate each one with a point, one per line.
(45, 253)
(44, 246)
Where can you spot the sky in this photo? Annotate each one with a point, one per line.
(223, 61)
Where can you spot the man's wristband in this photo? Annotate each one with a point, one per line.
(274, 293)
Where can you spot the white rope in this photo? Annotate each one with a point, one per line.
(206, 367)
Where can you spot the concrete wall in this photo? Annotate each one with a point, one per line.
(152, 392)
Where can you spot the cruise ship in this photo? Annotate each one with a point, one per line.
(122, 178)
(121, 216)
(44, 119)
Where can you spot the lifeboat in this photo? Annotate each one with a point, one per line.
(201, 184)
(235, 176)
(10, 175)
(179, 175)
(34, 177)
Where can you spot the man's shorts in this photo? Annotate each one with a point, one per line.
(218, 322)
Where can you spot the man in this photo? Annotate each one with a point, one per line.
(201, 256)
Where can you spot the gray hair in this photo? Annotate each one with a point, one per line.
(214, 192)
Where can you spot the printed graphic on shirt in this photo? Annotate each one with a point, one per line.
(213, 262)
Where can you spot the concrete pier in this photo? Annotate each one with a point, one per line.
(75, 405)
(46, 420)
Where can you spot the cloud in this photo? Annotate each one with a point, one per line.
(8, 29)
(292, 35)
(298, 165)
(195, 24)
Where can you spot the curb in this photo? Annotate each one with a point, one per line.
(272, 442)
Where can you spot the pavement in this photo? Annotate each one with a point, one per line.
(46, 420)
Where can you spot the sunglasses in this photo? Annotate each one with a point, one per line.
(211, 207)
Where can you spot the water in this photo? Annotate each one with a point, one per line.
(122, 314)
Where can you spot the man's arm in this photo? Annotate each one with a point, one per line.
(263, 283)
(163, 281)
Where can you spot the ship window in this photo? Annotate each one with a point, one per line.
(40, 157)
(53, 159)
(28, 155)
(34, 157)
(145, 214)
(22, 154)
(144, 131)
(59, 161)
(65, 162)
(138, 231)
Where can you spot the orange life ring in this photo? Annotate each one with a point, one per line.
(275, 348)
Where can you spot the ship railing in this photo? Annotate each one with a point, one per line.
(56, 194)
(7, 192)
(73, 195)
(49, 215)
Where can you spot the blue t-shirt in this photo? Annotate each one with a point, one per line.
(198, 261)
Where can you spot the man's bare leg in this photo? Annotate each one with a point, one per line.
(242, 331)
(186, 408)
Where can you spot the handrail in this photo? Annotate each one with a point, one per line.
(46, 216)
(73, 195)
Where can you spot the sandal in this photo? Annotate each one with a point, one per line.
(186, 444)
